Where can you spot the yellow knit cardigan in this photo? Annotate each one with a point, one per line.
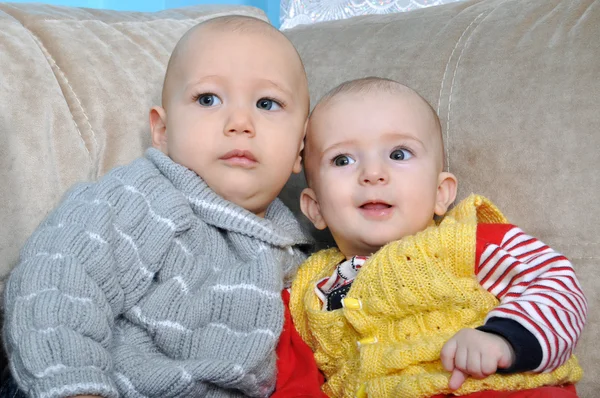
(409, 298)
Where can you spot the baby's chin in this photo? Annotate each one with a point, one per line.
(250, 199)
(365, 248)
(374, 243)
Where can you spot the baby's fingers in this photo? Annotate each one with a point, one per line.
(474, 367)
(457, 379)
(489, 365)
(447, 355)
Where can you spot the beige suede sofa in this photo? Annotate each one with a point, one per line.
(516, 84)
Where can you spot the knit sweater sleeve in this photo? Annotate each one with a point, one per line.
(76, 274)
(537, 288)
(61, 300)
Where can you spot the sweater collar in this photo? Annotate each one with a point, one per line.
(279, 227)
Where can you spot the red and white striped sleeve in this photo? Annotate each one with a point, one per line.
(536, 286)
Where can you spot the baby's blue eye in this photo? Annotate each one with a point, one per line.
(400, 154)
(209, 100)
(342, 160)
(267, 104)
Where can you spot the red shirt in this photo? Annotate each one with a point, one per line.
(297, 372)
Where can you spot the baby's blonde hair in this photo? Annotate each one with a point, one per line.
(227, 23)
(368, 85)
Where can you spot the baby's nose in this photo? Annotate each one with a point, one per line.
(239, 122)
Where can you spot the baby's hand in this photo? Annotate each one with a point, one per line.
(475, 353)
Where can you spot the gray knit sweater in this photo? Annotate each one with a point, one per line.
(148, 284)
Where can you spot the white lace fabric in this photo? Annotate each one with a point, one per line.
(299, 12)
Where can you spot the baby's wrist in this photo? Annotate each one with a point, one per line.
(526, 349)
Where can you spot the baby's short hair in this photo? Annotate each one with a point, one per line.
(374, 84)
(228, 23)
(357, 86)
(370, 84)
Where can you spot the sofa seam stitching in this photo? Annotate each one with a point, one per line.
(456, 67)
(443, 83)
(450, 58)
(49, 58)
(52, 63)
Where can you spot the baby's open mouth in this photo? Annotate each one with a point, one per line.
(375, 206)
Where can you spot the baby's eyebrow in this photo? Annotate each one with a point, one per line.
(203, 79)
(279, 86)
(404, 136)
(333, 147)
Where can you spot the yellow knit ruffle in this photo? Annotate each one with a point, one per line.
(409, 298)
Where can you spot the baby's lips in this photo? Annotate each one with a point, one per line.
(375, 206)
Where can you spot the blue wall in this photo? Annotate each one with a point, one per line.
(271, 7)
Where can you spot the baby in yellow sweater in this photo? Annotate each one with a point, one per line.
(461, 307)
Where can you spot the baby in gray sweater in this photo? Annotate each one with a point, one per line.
(164, 278)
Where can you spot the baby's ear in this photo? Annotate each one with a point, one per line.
(158, 128)
(446, 193)
(298, 164)
(310, 208)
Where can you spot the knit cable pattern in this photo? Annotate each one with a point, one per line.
(409, 298)
(147, 283)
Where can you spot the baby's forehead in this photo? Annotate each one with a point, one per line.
(214, 43)
(219, 29)
(405, 99)
(362, 103)
(354, 107)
